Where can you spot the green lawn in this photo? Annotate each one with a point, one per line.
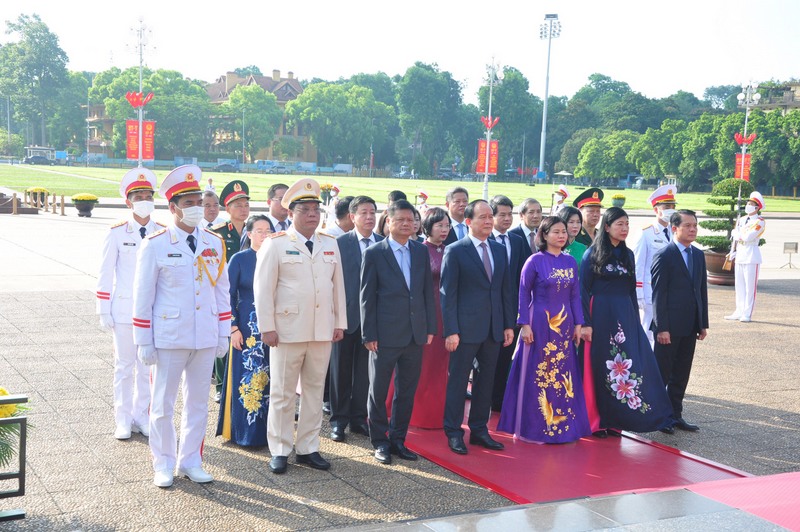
(104, 182)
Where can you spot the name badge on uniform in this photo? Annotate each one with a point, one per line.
(174, 255)
(129, 244)
(292, 252)
(329, 253)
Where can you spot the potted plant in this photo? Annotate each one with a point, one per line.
(618, 200)
(84, 203)
(725, 195)
(38, 195)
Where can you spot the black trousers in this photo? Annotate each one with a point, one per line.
(349, 381)
(675, 364)
(482, 383)
(405, 363)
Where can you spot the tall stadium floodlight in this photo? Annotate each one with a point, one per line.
(549, 29)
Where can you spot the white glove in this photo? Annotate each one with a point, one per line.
(147, 354)
(222, 347)
(106, 322)
(731, 255)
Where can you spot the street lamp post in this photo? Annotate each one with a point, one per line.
(550, 29)
(243, 136)
(747, 97)
(489, 124)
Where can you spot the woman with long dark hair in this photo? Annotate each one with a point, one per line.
(622, 382)
(544, 400)
(573, 219)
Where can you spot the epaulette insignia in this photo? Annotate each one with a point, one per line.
(209, 231)
(323, 233)
(648, 226)
(219, 226)
(160, 224)
(279, 233)
(119, 224)
(157, 233)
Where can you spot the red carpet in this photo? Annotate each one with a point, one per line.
(775, 498)
(591, 467)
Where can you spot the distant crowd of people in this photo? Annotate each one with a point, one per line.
(394, 320)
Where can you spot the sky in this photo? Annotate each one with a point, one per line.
(658, 48)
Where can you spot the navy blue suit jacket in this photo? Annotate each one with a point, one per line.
(350, 251)
(519, 232)
(391, 313)
(472, 306)
(680, 303)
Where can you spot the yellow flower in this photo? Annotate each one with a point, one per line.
(84, 197)
(259, 380)
(40, 190)
(6, 410)
(251, 341)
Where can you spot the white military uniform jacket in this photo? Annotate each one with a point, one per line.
(117, 267)
(747, 233)
(299, 295)
(181, 300)
(653, 239)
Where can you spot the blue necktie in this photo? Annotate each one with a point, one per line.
(405, 265)
(689, 264)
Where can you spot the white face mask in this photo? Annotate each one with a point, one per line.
(192, 216)
(750, 209)
(557, 198)
(142, 209)
(666, 214)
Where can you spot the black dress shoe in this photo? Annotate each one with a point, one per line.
(383, 455)
(456, 444)
(484, 440)
(602, 434)
(667, 430)
(277, 465)
(360, 429)
(685, 425)
(614, 432)
(402, 451)
(314, 460)
(337, 434)
(326, 408)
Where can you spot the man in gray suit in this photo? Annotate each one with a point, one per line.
(398, 317)
(349, 358)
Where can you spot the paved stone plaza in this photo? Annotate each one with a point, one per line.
(743, 393)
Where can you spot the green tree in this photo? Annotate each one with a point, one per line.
(255, 112)
(32, 71)
(654, 153)
(698, 164)
(243, 72)
(13, 145)
(722, 97)
(67, 125)
(572, 149)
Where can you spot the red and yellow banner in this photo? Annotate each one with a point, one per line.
(738, 172)
(494, 150)
(148, 135)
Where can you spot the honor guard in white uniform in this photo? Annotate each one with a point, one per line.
(654, 237)
(115, 302)
(747, 233)
(300, 305)
(559, 196)
(181, 319)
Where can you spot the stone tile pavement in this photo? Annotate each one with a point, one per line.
(744, 394)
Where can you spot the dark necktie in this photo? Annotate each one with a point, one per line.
(666, 233)
(502, 239)
(366, 242)
(310, 246)
(190, 241)
(487, 264)
(210, 224)
(142, 231)
(282, 226)
(532, 239)
(689, 264)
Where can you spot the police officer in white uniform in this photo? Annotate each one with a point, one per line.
(181, 319)
(746, 235)
(115, 302)
(300, 304)
(654, 237)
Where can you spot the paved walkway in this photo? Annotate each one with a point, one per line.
(743, 393)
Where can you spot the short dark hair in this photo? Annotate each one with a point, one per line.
(251, 221)
(359, 201)
(433, 217)
(469, 212)
(399, 205)
(525, 205)
(568, 211)
(395, 195)
(273, 189)
(453, 191)
(343, 207)
(500, 201)
(677, 217)
(544, 229)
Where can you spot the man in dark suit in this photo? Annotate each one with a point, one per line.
(530, 216)
(398, 317)
(349, 367)
(517, 252)
(456, 201)
(680, 310)
(478, 315)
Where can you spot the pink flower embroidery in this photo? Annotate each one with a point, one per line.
(635, 402)
(619, 337)
(625, 388)
(619, 368)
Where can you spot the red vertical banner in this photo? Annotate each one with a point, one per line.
(132, 138)
(494, 150)
(738, 170)
(148, 146)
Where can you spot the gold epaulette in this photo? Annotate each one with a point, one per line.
(648, 226)
(157, 233)
(119, 224)
(323, 233)
(219, 226)
(211, 232)
(279, 233)
(160, 224)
